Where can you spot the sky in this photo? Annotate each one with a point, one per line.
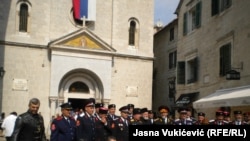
(164, 11)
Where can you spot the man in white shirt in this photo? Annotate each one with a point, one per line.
(8, 125)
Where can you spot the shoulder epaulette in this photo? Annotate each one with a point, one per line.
(212, 120)
(59, 118)
(176, 119)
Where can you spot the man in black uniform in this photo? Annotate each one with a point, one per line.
(29, 126)
(136, 119)
(85, 126)
(63, 128)
(121, 125)
(103, 130)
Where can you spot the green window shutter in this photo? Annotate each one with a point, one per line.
(215, 7)
(198, 14)
(181, 73)
(185, 24)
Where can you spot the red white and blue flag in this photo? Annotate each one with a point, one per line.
(84, 9)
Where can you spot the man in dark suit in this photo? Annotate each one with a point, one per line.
(111, 112)
(64, 126)
(121, 125)
(85, 126)
(103, 130)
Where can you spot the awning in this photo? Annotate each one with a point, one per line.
(185, 99)
(239, 96)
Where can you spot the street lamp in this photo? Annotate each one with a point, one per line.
(2, 71)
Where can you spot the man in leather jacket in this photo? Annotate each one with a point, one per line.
(29, 126)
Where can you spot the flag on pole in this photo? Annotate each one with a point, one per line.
(84, 9)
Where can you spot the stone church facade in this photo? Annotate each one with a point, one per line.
(48, 54)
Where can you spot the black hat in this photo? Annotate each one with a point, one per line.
(183, 110)
(131, 105)
(112, 106)
(98, 105)
(136, 111)
(163, 109)
(66, 106)
(150, 111)
(14, 113)
(92, 99)
(219, 113)
(237, 112)
(89, 103)
(143, 110)
(103, 110)
(201, 114)
(124, 109)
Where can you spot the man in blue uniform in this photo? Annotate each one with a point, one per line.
(63, 128)
(183, 120)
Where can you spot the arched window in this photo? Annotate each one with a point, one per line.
(79, 87)
(23, 17)
(132, 29)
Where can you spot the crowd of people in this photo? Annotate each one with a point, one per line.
(95, 122)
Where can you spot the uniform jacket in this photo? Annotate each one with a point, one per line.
(161, 121)
(135, 122)
(85, 128)
(62, 130)
(121, 130)
(103, 130)
(216, 122)
(236, 123)
(29, 127)
(183, 122)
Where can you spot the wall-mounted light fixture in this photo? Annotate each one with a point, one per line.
(2, 71)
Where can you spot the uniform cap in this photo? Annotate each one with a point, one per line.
(237, 112)
(150, 111)
(124, 109)
(103, 110)
(89, 103)
(136, 111)
(219, 113)
(112, 106)
(98, 105)
(66, 106)
(131, 105)
(182, 110)
(143, 110)
(163, 109)
(201, 114)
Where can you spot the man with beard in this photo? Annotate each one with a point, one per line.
(29, 126)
